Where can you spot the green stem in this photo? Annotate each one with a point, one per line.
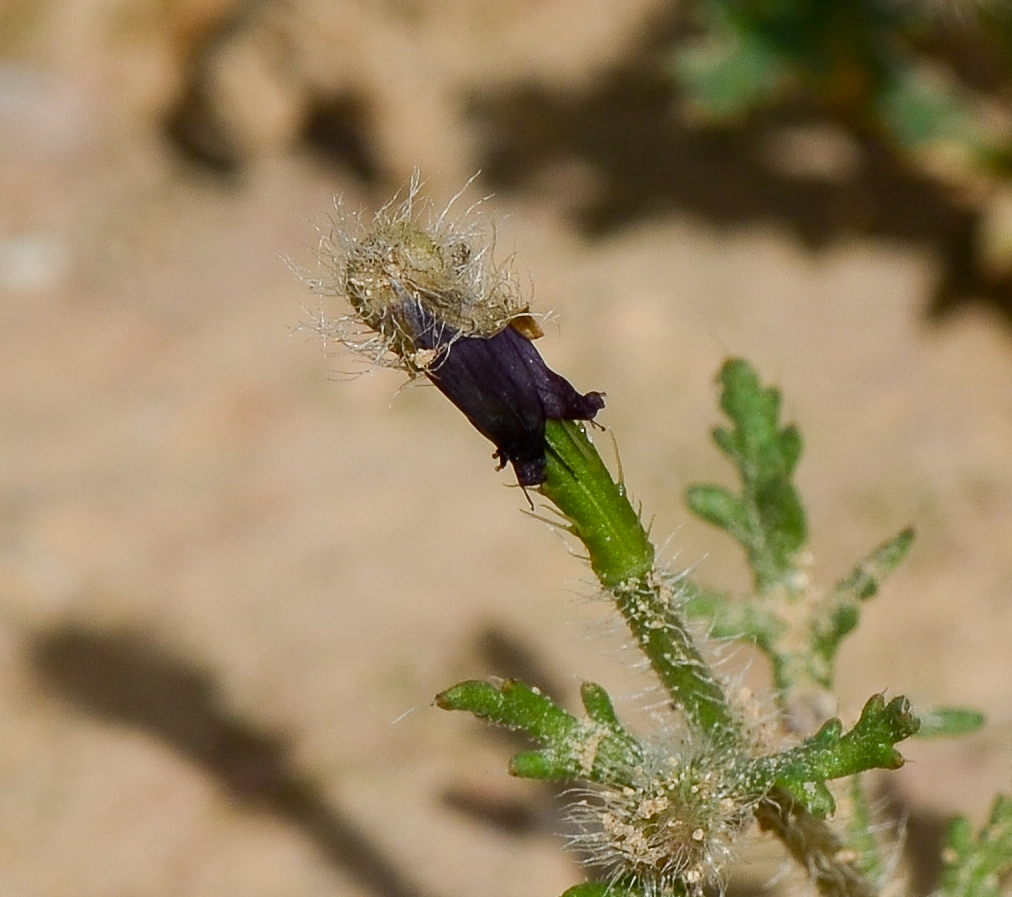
(598, 510)
(861, 834)
(622, 557)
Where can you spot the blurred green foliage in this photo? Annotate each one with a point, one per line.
(887, 66)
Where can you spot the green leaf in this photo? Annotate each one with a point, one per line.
(592, 889)
(975, 867)
(597, 703)
(837, 616)
(831, 754)
(514, 705)
(540, 765)
(920, 108)
(598, 749)
(767, 518)
(864, 580)
(728, 76)
(947, 722)
(722, 508)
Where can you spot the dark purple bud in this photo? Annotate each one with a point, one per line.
(502, 385)
(431, 299)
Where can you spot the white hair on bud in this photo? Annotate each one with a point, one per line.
(409, 249)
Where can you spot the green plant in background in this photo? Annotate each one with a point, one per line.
(877, 62)
(658, 813)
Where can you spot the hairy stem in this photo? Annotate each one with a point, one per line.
(622, 557)
(830, 864)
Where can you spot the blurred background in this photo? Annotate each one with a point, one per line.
(232, 577)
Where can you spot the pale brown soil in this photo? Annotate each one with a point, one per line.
(232, 579)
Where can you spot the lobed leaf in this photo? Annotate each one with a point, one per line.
(598, 748)
(975, 867)
(767, 518)
(831, 754)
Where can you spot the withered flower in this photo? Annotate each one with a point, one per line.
(430, 300)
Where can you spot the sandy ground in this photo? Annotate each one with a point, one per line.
(232, 578)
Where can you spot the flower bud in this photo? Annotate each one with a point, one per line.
(436, 304)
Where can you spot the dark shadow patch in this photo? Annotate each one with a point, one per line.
(333, 127)
(643, 159)
(495, 807)
(507, 656)
(920, 834)
(514, 808)
(192, 125)
(199, 136)
(335, 132)
(123, 678)
(925, 839)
